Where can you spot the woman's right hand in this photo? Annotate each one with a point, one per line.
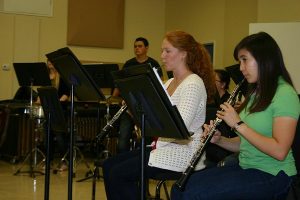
(217, 135)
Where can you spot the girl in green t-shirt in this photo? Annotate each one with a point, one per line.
(266, 125)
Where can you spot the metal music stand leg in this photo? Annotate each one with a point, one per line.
(95, 176)
(81, 158)
(76, 153)
(47, 161)
(95, 173)
(32, 157)
(100, 156)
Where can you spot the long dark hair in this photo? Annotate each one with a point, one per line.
(197, 59)
(271, 66)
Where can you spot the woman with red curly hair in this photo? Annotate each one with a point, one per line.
(190, 89)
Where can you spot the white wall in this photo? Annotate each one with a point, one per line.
(27, 38)
(28, 7)
(287, 37)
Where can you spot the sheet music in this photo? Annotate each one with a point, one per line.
(162, 84)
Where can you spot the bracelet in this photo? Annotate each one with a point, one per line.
(237, 125)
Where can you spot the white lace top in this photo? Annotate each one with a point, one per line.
(190, 98)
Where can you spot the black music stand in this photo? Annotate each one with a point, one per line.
(101, 74)
(237, 76)
(55, 122)
(150, 106)
(73, 74)
(80, 83)
(31, 74)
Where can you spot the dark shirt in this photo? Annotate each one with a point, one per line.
(154, 63)
(225, 97)
(63, 89)
(215, 153)
(218, 100)
(223, 127)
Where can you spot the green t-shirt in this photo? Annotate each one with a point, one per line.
(284, 103)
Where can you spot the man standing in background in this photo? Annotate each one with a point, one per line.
(141, 46)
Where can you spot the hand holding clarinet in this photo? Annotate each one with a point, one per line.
(227, 114)
(230, 116)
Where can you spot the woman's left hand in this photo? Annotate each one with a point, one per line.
(228, 114)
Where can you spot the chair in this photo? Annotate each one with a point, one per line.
(162, 179)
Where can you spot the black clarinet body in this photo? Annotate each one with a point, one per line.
(204, 141)
(105, 130)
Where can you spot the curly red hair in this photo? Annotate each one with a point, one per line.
(198, 59)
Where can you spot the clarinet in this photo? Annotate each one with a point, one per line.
(204, 141)
(109, 124)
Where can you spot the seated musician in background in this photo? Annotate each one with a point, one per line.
(190, 89)
(222, 79)
(265, 123)
(141, 46)
(60, 138)
(215, 154)
(57, 82)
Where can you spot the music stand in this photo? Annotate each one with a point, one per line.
(79, 83)
(31, 74)
(150, 106)
(237, 76)
(72, 72)
(101, 74)
(55, 122)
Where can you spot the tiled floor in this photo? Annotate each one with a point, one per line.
(24, 187)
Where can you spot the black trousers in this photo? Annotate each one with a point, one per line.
(122, 174)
